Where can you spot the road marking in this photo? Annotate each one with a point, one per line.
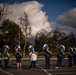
(6, 72)
(44, 70)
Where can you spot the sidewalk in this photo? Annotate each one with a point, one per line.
(26, 58)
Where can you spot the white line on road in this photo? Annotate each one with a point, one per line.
(44, 70)
(6, 72)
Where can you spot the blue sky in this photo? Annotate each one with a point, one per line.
(53, 8)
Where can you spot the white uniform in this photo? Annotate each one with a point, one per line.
(7, 55)
(33, 56)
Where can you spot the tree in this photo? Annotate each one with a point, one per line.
(72, 40)
(9, 33)
(24, 22)
(41, 38)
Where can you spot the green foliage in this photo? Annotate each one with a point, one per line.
(54, 41)
(9, 34)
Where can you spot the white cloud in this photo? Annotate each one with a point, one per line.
(53, 25)
(67, 21)
(68, 18)
(68, 30)
(37, 18)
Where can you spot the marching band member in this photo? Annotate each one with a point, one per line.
(6, 55)
(60, 56)
(47, 55)
(74, 57)
(70, 56)
(18, 56)
(33, 57)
